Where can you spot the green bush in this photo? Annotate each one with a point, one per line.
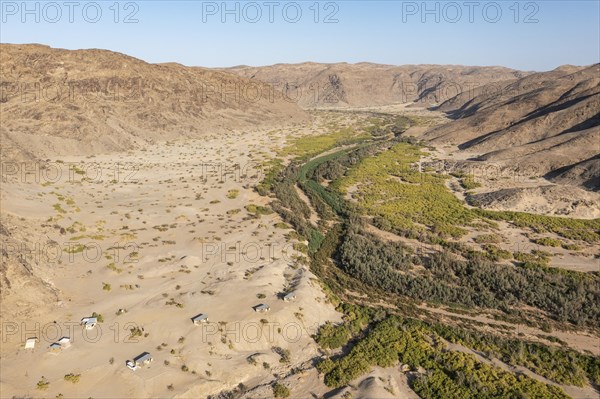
(43, 384)
(488, 239)
(98, 316)
(332, 336)
(281, 391)
(258, 210)
(73, 378)
(449, 374)
(547, 242)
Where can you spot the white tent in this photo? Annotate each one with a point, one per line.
(65, 342)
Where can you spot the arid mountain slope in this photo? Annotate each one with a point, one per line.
(24, 290)
(56, 101)
(366, 84)
(550, 121)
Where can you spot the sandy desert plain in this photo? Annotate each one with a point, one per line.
(151, 237)
(172, 227)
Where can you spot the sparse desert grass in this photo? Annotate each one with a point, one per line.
(43, 384)
(112, 266)
(233, 193)
(96, 237)
(540, 258)
(59, 209)
(284, 354)
(127, 236)
(488, 239)
(135, 332)
(172, 301)
(571, 247)
(258, 210)
(72, 378)
(76, 227)
(548, 242)
(74, 249)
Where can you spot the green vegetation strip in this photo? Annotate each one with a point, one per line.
(309, 146)
(406, 199)
(393, 188)
(449, 374)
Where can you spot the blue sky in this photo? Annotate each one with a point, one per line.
(538, 35)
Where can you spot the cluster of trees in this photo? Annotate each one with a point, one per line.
(291, 208)
(567, 297)
(380, 347)
(335, 168)
(478, 282)
(448, 374)
(459, 375)
(333, 336)
(564, 366)
(575, 229)
(306, 147)
(273, 168)
(302, 226)
(394, 189)
(362, 252)
(294, 210)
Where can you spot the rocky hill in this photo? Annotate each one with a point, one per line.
(547, 120)
(367, 84)
(56, 102)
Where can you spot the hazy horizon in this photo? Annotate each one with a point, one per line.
(301, 62)
(519, 35)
